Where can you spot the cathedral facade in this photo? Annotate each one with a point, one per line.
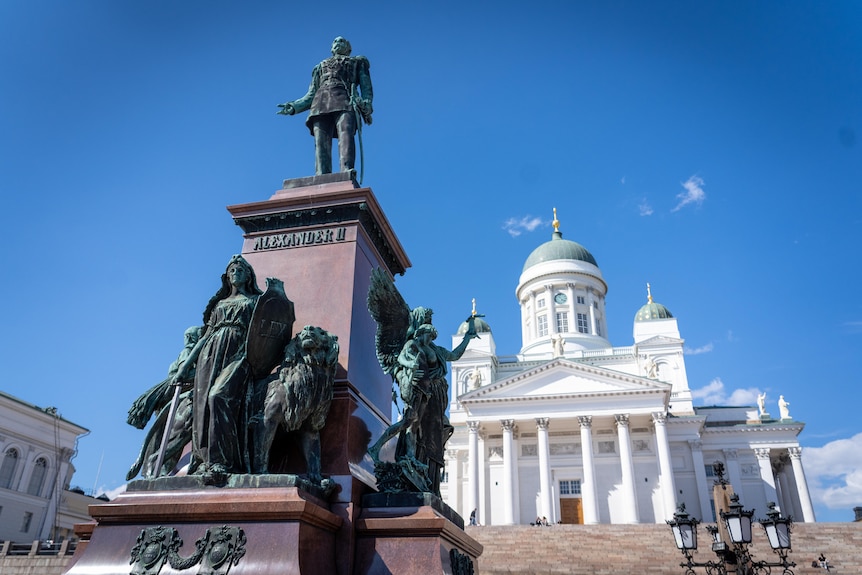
(576, 430)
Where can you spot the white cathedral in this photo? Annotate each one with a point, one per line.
(576, 430)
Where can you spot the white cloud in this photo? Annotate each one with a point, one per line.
(693, 193)
(111, 493)
(711, 394)
(645, 209)
(743, 396)
(698, 350)
(834, 472)
(714, 393)
(516, 226)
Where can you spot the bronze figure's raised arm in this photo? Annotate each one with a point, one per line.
(406, 351)
(339, 100)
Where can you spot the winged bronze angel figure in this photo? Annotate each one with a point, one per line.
(407, 352)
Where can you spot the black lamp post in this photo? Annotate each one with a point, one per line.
(778, 532)
(684, 529)
(736, 555)
(737, 521)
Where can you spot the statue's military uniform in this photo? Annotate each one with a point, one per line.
(331, 108)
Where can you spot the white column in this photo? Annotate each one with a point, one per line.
(703, 487)
(668, 490)
(592, 310)
(508, 472)
(552, 310)
(785, 494)
(731, 456)
(483, 512)
(801, 484)
(766, 475)
(588, 484)
(573, 314)
(456, 481)
(628, 468)
(472, 466)
(544, 468)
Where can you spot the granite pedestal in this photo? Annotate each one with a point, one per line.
(322, 236)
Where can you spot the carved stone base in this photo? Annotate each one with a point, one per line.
(211, 531)
(410, 539)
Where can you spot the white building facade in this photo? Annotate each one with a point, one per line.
(576, 430)
(36, 450)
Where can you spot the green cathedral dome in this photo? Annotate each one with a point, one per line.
(559, 249)
(652, 310)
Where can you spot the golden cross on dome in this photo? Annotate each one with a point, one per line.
(648, 293)
(473, 313)
(556, 222)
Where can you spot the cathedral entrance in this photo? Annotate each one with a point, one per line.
(571, 509)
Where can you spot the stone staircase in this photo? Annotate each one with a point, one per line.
(648, 549)
(581, 550)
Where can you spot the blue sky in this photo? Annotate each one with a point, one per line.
(709, 148)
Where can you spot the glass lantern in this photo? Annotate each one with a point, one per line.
(777, 528)
(738, 522)
(684, 529)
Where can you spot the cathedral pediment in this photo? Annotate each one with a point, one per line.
(562, 378)
(660, 340)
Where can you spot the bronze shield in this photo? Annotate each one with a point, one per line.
(270, 329)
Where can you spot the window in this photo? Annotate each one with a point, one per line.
(25, 523)
(562, 322)
(710, 471)
(542, 325)
(37, 479)
(540, 303)
(7, 468)
(582, 323)
(570, 487)
(581, 300)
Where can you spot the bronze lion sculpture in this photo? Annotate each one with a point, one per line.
(296, 399)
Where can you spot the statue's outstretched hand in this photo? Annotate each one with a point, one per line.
(286, 109)
(471, 326)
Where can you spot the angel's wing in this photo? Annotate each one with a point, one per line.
(392, 315)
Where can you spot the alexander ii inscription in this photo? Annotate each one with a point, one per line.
(300, 239)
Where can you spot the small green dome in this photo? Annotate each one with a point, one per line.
(651, 311)
(559, 249)
(481, 326)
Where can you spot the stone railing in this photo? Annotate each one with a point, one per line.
(37, 557)
(37, 548)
